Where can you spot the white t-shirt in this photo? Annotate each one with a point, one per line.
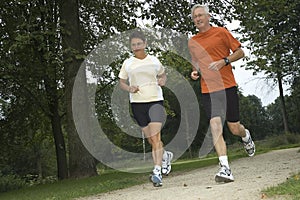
(143, 73)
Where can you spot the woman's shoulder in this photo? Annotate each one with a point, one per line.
(151, 56)
(129, 59)
(153, 59)
(127, 62)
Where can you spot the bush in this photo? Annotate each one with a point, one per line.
(277, 141)
(33, 179)
(283, 139)
(292, 138)
(10, 182)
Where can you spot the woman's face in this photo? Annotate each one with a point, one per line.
(137, 45)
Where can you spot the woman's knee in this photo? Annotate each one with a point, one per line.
(155, 140)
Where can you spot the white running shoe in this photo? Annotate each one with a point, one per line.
(166, 163)
(249, 145)
(156, 178)
(224, 175)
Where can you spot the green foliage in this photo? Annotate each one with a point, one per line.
(101, 19)
(277, 141)
(10, 182)
(275, 117)
(32, 72)
(253, 115)
(271, 28)
(176, 15)
(293, 106)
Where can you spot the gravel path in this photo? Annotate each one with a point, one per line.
(252, 174)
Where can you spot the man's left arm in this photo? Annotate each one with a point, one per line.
(236, 55)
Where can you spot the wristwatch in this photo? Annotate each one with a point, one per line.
(227, 61)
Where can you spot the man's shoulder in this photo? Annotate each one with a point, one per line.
(194, 37)
(221, 29)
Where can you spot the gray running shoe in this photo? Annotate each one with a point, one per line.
(224, 175)
(156, 179)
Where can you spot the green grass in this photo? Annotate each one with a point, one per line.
(70, 189)
(112, 180)
(109, 181)
(289, 189)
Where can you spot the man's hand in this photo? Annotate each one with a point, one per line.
(195, 75)
(217, 65)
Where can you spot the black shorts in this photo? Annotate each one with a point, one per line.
(144, 113)
(223, 104)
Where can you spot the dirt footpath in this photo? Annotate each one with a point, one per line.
(252, 174)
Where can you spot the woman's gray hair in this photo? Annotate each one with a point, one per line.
(205, 7)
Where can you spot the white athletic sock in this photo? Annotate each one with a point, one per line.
(165, 155)
(246, 138)
(224, 161)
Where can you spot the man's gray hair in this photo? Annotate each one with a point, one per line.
(205, 7)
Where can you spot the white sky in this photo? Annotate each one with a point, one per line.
(255, 85)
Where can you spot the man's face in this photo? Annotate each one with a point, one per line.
(201, 18)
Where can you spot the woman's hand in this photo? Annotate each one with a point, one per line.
(133, 89)
(162, 79)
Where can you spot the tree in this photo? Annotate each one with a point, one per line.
(293, 106)
(176, 15)
(85, 24)
(271, 30)
(72, 47)
(30, 69)
(253, 115)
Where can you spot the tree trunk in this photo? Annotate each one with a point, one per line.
(81, 163)
(59, 141)
(283, 108)
(60, 147)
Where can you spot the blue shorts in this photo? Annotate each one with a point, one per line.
(224, 104)
(144, 113)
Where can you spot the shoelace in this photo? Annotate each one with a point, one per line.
(249, 145)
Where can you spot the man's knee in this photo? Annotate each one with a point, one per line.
(216, 125)
(235, 128)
